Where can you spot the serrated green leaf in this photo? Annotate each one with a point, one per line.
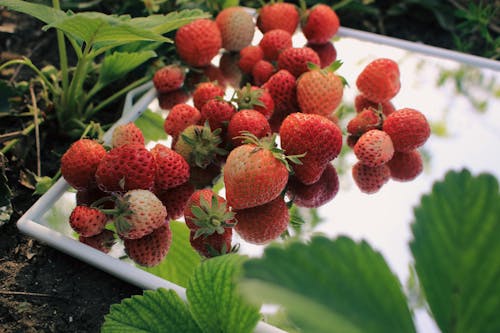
(151, 125)
(214, 298)
(457, 252)
(162, 24)
(330, 286)
(181, 260)
(161, 311)
(118, 64)
(43, 13)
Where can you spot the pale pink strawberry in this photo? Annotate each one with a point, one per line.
(406, 166)
(79, 163)
(168, 78)
(249, 56)
(102, 242)
(379, 81)
(320, 24)
(87, 221)
(150, 250)
(236, 27)
(370, 179)
(249, 121)
(180, 117)
(274, 42)
(374, 148)
(408, 129)
(296, 60)
(171, 168)
(126, 134)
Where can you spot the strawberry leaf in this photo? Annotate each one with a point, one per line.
(457, 252)
(330, 283)
(154, 311)
(214, 299)
(151, 125)
(43, 13)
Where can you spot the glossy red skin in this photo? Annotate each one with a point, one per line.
(217, 112)
(250, 121)
(278, 16)
(297, 59)
(87, 221)
(282, 88)
(206, 91)
(408, 129)
(249, 56)
(262, 71)
(151, 249)
(171, 168)
(379, 81)
(370, 179)
(374, 148)
(274, 42)
(179, 118)
(320, 25)
(406, 166)
(198, 42)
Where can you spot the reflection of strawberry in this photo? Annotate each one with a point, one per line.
(279, 15)
(125, 134)
(408, 129)
(175, 199)
(236, 27)
(213, 245)
(87, 221)
(168, 100)
(180, 117)
(364, 121)
(296, 60)
(249, 121)
(198, 42)
(249, 56)
(361, 103)
(374, 148)
(281, 87)
(274, 42)
(326, 52)
(379, 80)
(217, 112)
(168, 78)
(102, 242)
(320, 24)
(263, 224)
(151, 249)
(406, 166)
(370, 179)
(171, 168)
(79, 163)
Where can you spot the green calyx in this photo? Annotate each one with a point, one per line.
(248, 98)
(201, 145)
(119, 213)
(212, 217)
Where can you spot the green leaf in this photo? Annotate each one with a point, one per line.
(151, 125)
(162, 24)
(230, 3)
(330, 286)
(181, 260)
(156, 311)
(457, 252)
(43, 13)
(214, 298)
(118, 64)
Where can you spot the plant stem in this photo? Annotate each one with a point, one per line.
(27, 62)
(63, 56)
(26, 131)
(341, 4)
(37, 132)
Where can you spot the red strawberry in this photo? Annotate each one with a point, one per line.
(279, 15)
(258, 99)
(168, 78)
(151, 249)
(296, 60)
(254, 174)
(168, 100)
(320, 24)
(206, 91)
(79, 163)
(87, 221)
(127, 134)
(171, 168)
(281, 87)
(408, 129)
(263, 224)
(180, 117)
(326, 52)
(316, 194)
(262, 71)
(374, 148)
(198, 42)
(320, 91)
(207, 212)
(125, 168)
(370, 179)
(217, 112)
(250, 121)
(213, 245)
(102, 242)
(316, 137)
(379, 80)
(406, 166)
(364, 121)
(361, 103)
(249, 56)
(138, 213)
(274, 42)
(175, 199)
(236, 27)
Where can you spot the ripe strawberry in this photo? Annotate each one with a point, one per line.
(281, 87)
(127, 134)
(217, 112)
(138, 213)
(361, 103)
(406, 166)
(316, 194)
(151, 249)
(171, 168)
(379, 80)
(206, 91)
(374, 148)
(168, 78)
(316, 137)
(213, 245)
(263, 224)
(370, 179)
(180, 117)
(199, 145)
(249, 56)
(279, 15)
(254, 174)
(296, 60)
(198, 42)
(207, 212)
(168, 100)
(408, 129)
(274, 42)
(364, 121)
(250, 121)
(262, 71)
(79, 163)
(125, 168)
(258, 99)
(175, 199)
(320, 24)
(236, 27)
(102, 242)
(320, 91)
(87, 221)
(326, 53)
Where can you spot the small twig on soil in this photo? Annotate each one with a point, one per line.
(10, 136)
(37, 132)
(25, 293)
